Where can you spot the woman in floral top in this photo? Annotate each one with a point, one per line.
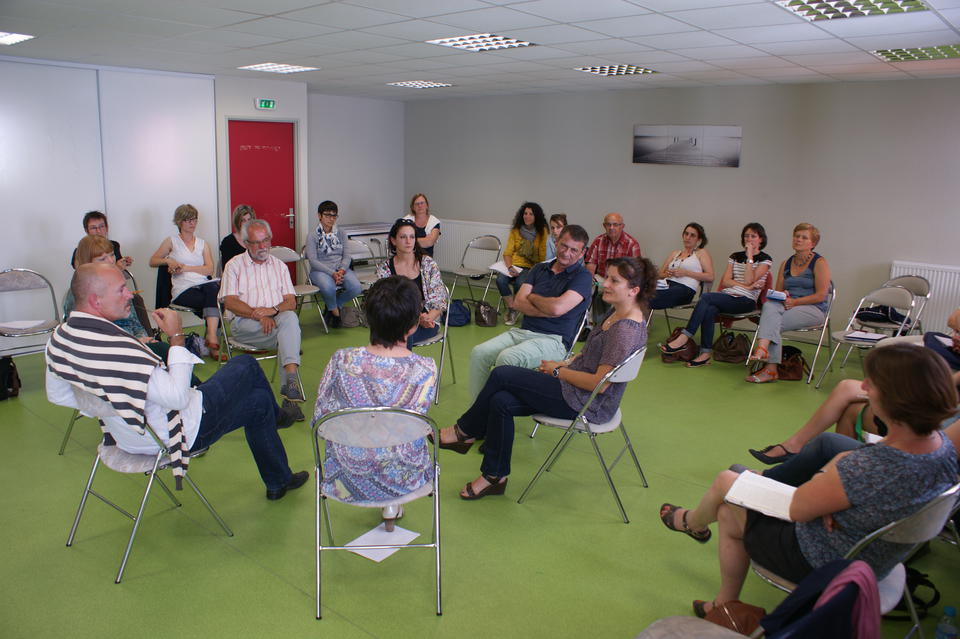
(408, 260)
(384, 373)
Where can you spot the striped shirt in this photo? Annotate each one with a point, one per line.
(257, 285)
(739, 262)
(602, 249)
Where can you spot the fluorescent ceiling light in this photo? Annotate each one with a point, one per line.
(832, 9)
(274, 67)
(14, 38)
(616, 69)
(419, 84)
(481, 42)
(919, 53)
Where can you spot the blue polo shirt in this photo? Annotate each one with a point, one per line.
(549, 284)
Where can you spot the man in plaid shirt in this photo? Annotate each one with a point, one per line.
(615, 242)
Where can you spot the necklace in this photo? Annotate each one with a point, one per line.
(802, 260)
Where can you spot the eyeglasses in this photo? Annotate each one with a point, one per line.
(608, 225)
(265, 241)
(330, 214)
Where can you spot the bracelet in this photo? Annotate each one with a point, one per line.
(175, 335)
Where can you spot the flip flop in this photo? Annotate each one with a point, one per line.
(762, 376)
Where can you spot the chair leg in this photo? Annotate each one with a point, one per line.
(843, 364)
(66, 435)
(823, 374)
(606, 473)
(209, 506)
(318, 547)
(914, 619)
(436, 532)
(453, 370)
(533, 433)
(443, 348)
(557, 449)
(138, 519)
(753, 344)
(816, 354)
(166, 489)
(636, 462)
(323, 322)
(83, 502)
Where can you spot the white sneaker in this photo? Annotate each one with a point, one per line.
(510, 317)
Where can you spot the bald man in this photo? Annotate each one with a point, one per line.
(615, 242)
(89, 353)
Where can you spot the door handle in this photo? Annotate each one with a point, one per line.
(290, 216)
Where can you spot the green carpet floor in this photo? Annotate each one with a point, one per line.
(560, 565)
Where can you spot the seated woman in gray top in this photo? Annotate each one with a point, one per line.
(805, 276)
(857, 492)
(558, 389)
(330, 263)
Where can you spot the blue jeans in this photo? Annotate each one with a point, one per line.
(349, 288)
(239, 395)
(811, 458)
(504, 283)
(704, 315)
(676, 295)
(510, 391)
(423, 333)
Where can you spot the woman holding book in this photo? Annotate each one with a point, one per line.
(859, 491)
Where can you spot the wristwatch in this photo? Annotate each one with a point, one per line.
(277, 308)
(556, 372)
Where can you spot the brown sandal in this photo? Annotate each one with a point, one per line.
(762, 376)
(460, 446)
(667, 512)
(496, 487)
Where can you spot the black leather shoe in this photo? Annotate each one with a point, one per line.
(289, 413)
(296, 481)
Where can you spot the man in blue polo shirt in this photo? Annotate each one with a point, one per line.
(552, 300)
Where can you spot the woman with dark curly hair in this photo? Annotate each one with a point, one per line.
(526, 245)
(559, 389)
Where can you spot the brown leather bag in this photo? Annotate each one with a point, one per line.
(689, 351)
(485, 314)
(737, 616)
(792, 367)
(731, 347)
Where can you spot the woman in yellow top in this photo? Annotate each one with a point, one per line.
(526, 246)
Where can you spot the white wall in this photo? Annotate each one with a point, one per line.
(235, 101)
(356, 157)
(872, 164)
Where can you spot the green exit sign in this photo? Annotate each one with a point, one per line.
(265, 104)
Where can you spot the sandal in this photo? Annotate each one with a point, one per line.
(700, 607)
(695, 364)
(460, 446)
(760, 354)
(670, 350)
(667, 512)
(496, 487)
(763, 455)
(214, 348)
(762, 376)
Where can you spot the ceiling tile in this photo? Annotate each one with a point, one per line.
(175, 11)
(603, 47)
(684, 66)
(768, 62)
(813, 59)
(775, 33)
(344, 16)
(906, 40)
(579, 10)
(879, 25)
(944, 4)
(731, 51)
(806, 46)
(352, 40)
(748, 15)
(952, 16)
(554, 34)
(281, 28)
(687, 39)
(679, 5)
(649, 24)
(493, 20)
(421, 8)
(417, 30)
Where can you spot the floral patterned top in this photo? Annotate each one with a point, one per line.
(431, 285)
(356, 378)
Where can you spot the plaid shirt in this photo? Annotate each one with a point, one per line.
(602, 249)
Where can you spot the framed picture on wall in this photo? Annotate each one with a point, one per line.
(680, 144)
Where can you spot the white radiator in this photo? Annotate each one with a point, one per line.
(944, 290)
(455, 234)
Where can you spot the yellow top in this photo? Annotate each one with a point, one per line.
(522, 253)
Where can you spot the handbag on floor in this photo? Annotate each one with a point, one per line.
(792, 367)
(459, 313)
(485, 314)
(688, 352)
(352, 317)
(9, 378)
(737, 616)
(731, 347)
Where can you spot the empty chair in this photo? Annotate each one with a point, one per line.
(895, 297)
(302, 291)
(377, 429)
(479, 254)
(626, 371)
(920, 288)
(19, 334)
(361, 251)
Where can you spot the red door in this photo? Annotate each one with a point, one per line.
(262, 175)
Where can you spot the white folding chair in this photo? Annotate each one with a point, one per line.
(441, 338)
(305, 290)
(260, 354)
(120, 461)
(479, 250)
(16, 282)
(915, 529)
(624, 372)
(893, 296)
(920, 287)
(705, 287)
(370, 428)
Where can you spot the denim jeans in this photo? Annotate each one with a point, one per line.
(504, 282)
(202, 298)
(705, 313)
(811, 458)
(510, 391)
(423, 333)
(350, 288)
(676, 295)
(239, 395)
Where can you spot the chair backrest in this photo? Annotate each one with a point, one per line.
(485, 243)
(132, 285)
(583, 322)
(359, 250)
(372, 427)
(916, 284)
(14, 280)
(285, 254)
(893, 296)
(917, 528)
(628, 369)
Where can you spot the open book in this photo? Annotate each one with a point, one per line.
(501, 267)
(762, 494)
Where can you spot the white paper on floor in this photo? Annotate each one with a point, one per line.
(378, 536)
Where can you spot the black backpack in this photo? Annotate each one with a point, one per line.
(9, 378)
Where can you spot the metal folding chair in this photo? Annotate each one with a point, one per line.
(123, 462)
(479, 250)
(920, 288)
(625, 371)
(17, 282)
(305, 290)
(441, 338)
(372, 428)
(705, 287)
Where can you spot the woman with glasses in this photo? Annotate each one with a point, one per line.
(408, 259)
(330, 263)
(427, 225)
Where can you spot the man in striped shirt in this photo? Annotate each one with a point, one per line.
(256, 288)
